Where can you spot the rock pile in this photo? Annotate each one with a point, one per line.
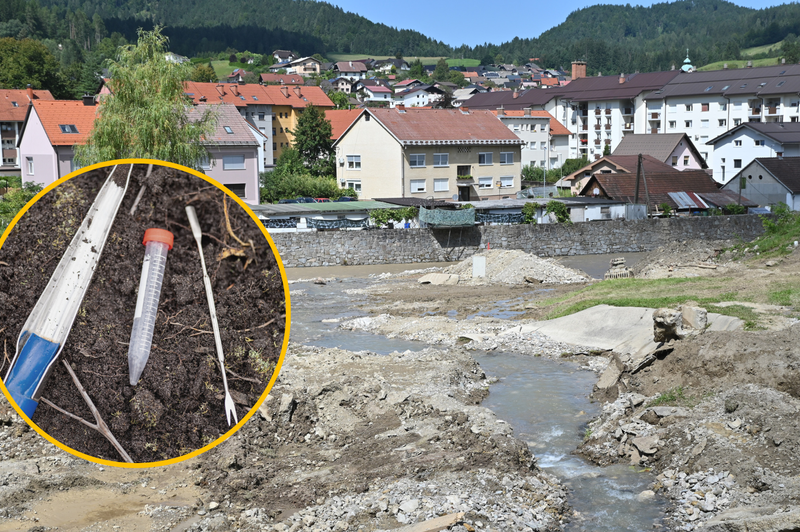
(517, 267)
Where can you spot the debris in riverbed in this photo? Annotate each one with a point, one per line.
(516, 267)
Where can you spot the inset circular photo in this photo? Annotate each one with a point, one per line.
(145, 313)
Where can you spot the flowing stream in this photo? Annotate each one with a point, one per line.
(545, 401)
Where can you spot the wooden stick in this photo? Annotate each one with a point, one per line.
(228, 222)
(262, 325)
(141, 191)
(100, 426)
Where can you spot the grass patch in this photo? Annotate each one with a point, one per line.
(786, 295)
(782, 229)
(431, 60)
(769, 61)
(746, 314)
(767, 48)
(672, 397)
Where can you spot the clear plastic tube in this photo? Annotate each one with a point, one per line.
(157, 243)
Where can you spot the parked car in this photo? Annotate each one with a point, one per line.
(289, 201)
(322, 200)
(347, 198)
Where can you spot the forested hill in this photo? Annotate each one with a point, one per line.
(308, 26)
(616, 39)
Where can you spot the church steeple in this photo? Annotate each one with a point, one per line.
(687, 64)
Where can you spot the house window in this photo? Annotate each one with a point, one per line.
(441, 159)
(542, 163)
(417, 185)
(68, 128)
(704, 155)
(672, 124)
(485, 158)
(506, 181)
(722, 122)
(441, 185)
(688, 123)
(723, 107)
(205, 163)
(673, 108)
(416, 160)
(355, 185)
(759, 142)
(354, 162)
(274, 146)
(737, 121)
(743, 182)
(674, 160)
(737, 163)
(233, 162)
(737, 143)
(261, 116)
(237, 188)
(484, 182)
(704, 123)
(688, 107)
(507, 157)
(30, 165)
(228, 130)
(704, 107)
(685, 160)
(9, 161)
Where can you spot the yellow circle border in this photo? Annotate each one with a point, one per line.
(287, 327)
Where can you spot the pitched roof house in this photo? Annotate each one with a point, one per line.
(421, 152)
(661, 187)
(675, 149)
(283, 79)
(613, 164)
(738, 147)
(13, 108)
(352, 70)
(50, 131)
(769, 180)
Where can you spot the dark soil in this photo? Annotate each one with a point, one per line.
(177, 406)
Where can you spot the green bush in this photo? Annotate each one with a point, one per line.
(734, 208)
(382, 217)
(529, 213)
(665, 208)
(278, 186)
(15, 200)
(560, 210)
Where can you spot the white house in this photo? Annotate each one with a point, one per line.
(735, 149)
(546, 140)
(768, 181)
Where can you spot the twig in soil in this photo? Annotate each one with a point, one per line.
(5, 351)
(141, 190)
(3, 263)
(100, 426)
(188, 327)
(209, 235)
(228, 222)
(262, 325)
(239, 377)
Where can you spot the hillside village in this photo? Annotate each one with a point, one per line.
(710, 140)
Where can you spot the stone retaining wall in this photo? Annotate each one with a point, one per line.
(399, 246)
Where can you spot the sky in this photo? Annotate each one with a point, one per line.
(471, 22)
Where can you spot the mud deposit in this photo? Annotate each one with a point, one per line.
(177, 406)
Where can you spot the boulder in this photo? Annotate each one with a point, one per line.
(439, 279)
(694, 317)
(667, 325)
(754, 520)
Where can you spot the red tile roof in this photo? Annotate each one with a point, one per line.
(298, 97)
(450, 126)
(227, 116)
(54, 113)
(16, 113)
(550, 82)
(238, 95)
(341, 120)
(555, 126)
(351, 66)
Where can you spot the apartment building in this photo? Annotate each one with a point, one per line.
(546, 140)
(705, 105)
(13, 108)
(429, 153)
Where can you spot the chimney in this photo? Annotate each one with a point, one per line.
(285, 91)
(725, 66)
(501, 111)
(30, 92)
(515, 94)
(464, 109)
(400, 107)
(673, 66)
(578, 70)
(783, 60)
(88, 99)
(297, 91)
(351, 64)
(622, 78)
(526, 111)
(749, 64)
(235, 90)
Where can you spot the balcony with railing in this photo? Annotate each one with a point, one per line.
(608, 111)
(627, 126)
(608, 126)
(655, 116)
(755, 111)
(597, 127)
(608, 142)
(654, 130)
(773, 110)
(597, 111)
(627, 111)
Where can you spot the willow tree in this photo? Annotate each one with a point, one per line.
(147, 113)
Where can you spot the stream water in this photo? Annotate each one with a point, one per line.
(545, 401)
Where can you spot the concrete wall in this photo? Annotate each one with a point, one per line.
(389, 246)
